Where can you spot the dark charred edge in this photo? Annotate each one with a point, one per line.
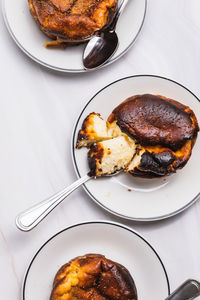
(158, 164)
(95, 154)
(151, 160)
(117, 273)
(142, 174)
(82, 134)
(155, 165)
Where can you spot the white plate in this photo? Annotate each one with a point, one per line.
(137, 198)
(31, 40)
(113, 240)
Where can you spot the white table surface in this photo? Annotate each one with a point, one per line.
(38, 108)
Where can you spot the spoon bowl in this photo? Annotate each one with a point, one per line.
(102, 46)
(100, 49)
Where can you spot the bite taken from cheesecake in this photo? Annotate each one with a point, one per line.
(146, 135)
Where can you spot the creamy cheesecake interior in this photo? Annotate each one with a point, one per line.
(108, 157)
(110, 149)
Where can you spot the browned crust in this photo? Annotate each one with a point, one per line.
(103, 280)
(159, 161)
(158, 164)
(95, 155)
(61, 20)
(156, 120)
(83, 132)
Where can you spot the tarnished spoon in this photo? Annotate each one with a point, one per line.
(101, 47)
(31, 217)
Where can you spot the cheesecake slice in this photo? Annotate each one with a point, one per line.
(94, 129)
(108, 157)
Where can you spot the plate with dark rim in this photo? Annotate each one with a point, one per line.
(137, 198)
(31, 40)
(117, 242)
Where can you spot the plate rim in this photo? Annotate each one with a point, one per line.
(73, 138)
(117, 224)
(63, 70)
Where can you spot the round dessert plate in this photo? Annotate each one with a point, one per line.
(31, 39)
(116, 242)
(137, 198)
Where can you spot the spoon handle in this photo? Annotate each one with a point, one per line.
(28, 219)
(189, 290)
(118, 13)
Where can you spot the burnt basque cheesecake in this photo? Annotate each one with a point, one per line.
(93, 277)
(72, 21)
(152, 136)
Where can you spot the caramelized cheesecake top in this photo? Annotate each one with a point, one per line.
(156, 120)
(72, 20)
(93, 277)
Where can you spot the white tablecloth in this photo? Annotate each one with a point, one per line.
(38, 108)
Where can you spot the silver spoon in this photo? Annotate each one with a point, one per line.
(31, 217)
(189, 290)
(101, 47)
